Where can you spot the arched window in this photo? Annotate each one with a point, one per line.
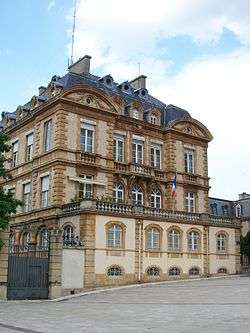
(114, 271)
(114, 236)
(174, 271)
(153, 119)
(174, 240)
(155, 199)
(153, 271)
(193, 241)
(222, 270)
(194, 271)
(44, 239)
(221, 242)
(118, 192)
(153, 239)
(137, 195)
(25, 239)
(12, 242)
(68, 235)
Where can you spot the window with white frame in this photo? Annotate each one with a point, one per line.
(44, 239)
(155, 152)
(86, 187)
(15, 147)
(135, 114)
(137, 195)
(221, 242)
(155, 199)
(193, 241)
(114, 236)
(137, 152)
(87, 137)
(238, 210)
(153, 239)
(189, 161)
(174, 240)
(118, 192)
(68, 234)
(190, 202)
(47, 135)
(119, 148)
(29, 147)
(153, 119)
(26, 196)
(45, 191)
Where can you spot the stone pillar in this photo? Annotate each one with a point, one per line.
(237, 251)
(87, 235)
(206, 258)
(4, 237)
(55, 264)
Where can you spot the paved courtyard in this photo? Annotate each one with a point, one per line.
(217, 305)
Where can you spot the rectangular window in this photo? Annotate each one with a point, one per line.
(47, 135)
(225, 210)
(87, 138)
(26, 197)
(137, 152)
(86, 188)
(119, 148)
(155, 152)
(190, 202)
(45, 191)
(189, 161)
(15, 146)
(29, 147)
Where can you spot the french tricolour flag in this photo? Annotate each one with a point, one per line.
(174, 184)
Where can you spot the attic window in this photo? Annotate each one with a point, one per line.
(108, 80)
(135, 114)
(153, 119)
(126, 87)
(143, 92)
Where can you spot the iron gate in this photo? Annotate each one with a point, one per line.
(28, 272)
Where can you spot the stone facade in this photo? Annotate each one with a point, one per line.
(84, 182)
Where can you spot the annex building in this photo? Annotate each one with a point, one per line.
(93, 162)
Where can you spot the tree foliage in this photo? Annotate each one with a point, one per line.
(8, 204)
(245, 243)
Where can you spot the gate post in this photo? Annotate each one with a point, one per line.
(4, 236)
(55, 264)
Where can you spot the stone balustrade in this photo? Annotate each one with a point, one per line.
(147, 212)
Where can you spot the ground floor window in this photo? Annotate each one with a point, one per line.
(222, 270)
(194, 271)
(174, 271)
(114, 271)
(153, 271)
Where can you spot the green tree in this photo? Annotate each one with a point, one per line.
(245, 243)
(8, 204)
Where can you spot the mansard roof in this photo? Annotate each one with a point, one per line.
(111, 88)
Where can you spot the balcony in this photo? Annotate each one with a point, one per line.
(101, 207)
(139, 169)
(88, 158)
(190, 178)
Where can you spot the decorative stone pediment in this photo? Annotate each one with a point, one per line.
(90, 99)
(192, 127)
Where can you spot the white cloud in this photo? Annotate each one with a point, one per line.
(118, 34)
(51, 4)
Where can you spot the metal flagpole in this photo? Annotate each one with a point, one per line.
(73, 35)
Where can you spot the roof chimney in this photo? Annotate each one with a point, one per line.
(81, 66)
(139, 82)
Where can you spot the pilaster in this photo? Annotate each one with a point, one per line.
(4, 236)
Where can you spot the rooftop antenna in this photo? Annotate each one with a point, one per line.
(139, 68)
(73, 35)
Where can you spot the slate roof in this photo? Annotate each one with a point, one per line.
(217, 207)
(169, 112)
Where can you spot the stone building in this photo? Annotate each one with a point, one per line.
(93, 162)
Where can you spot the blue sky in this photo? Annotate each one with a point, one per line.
(196, 54)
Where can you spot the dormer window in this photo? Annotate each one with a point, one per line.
(153, 119)
(107, 80)
(135, 114)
